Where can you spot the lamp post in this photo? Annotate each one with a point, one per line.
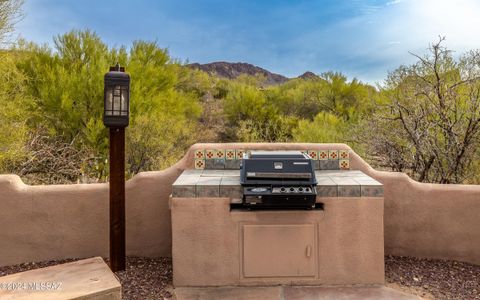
(116, 117)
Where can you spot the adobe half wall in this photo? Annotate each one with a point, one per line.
(62, 221)
(428, 220)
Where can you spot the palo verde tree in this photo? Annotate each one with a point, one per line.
(13, 113)
(163, 116)
(430, 124)
(10, 14)
(66, 88)
(13, 96)
(251, 116)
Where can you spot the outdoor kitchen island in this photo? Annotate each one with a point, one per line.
(216, 242)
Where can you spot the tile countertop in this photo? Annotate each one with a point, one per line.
(226, 183)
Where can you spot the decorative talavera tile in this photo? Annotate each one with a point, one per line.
(239, 153)
(332, 154)
(322, 154)
(313, 154)
(344, 164)
(220, 153)
(199, 164)
(343, 154)
(200, 154)
(230, 154)
(209, 154)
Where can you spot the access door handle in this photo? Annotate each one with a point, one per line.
(308, 251)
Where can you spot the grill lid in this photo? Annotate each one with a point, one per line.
(276, 168)
(278, 179)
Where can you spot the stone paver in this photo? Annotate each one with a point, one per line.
(292, 293)
(344, 293)
(85, 279)
(229, 293)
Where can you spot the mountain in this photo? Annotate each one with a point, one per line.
(233, 70)
(308, 75)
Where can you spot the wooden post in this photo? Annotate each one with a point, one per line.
(117, 199)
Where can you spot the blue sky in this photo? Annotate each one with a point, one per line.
(361, 38)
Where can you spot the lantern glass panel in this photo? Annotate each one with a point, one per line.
(109, 102)
(123, 102)
(117, 94)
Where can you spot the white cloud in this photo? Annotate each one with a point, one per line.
(394, 2)
(370, 45)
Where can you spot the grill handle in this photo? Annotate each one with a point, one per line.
(279, 175)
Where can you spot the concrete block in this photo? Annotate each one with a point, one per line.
(327, 191)
(329, 165)
(232, 164)
(349, 191)
(208, 187)
(372, 191)
(219, 163)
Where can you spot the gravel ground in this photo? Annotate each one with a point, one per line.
(7, 270)
(151, 278)
(433, 278)
(147, 278)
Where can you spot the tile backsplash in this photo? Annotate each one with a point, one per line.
(230, 159)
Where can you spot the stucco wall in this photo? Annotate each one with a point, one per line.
(208, 243)
(428, 220)
(61, 221)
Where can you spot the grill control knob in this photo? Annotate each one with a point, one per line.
(300, 189)
(292, 189)
(282, 189)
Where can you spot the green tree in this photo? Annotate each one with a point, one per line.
(163, 118)
(251, 117)
(67, 91)
(13, 113)
(349, 100)
(13, 97)
(430, 125)
(298, 97)
(330, 92)
(10, 14)
(325, 128)
(66, 86)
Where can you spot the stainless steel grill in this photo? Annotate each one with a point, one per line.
(278, 179)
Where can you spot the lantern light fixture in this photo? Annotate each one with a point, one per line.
(116, 98)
